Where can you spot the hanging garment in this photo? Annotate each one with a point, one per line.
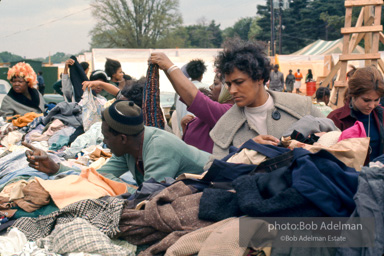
(152, 113)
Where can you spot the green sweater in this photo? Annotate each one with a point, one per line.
(106, 94)
(164, 155)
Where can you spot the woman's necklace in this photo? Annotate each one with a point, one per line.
(369, 132)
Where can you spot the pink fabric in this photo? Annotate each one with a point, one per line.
(355, 131)
(207, 113)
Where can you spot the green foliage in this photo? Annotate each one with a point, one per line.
(133, 23)
(58, 57)
(255, 30)
(240, 29)
(175, 38)
(203, 35)
(305, 21)
(8, 57)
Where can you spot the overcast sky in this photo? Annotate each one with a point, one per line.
(37, 28)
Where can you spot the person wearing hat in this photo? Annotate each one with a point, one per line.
(146, 152)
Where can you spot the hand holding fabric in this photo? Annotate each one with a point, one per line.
(160, 59)
(266, 139)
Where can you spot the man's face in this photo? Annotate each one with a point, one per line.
(113, 142)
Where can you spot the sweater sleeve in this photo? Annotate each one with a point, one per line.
(168, 157)
(67, 88)
(208, 110)
(116, 166)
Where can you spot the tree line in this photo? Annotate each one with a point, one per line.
(158, 24)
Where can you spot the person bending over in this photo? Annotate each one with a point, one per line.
(146, 152)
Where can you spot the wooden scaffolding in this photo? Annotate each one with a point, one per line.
(369, 28)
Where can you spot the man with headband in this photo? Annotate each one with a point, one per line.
(146, 152)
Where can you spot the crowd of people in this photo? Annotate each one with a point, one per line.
(243, 147)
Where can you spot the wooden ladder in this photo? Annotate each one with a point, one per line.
(367, 27)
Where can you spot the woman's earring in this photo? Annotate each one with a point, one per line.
(350, 103)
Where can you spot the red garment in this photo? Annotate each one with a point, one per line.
(343, 119)
(207, 113)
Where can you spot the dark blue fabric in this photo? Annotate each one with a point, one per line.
(267, 150)
(327, 182)
(221, 171)
(321, 185)
(373, 132)
(259, 195)
(77, 77)
(379, 158)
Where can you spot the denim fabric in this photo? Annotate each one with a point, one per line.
(14, 161)
(29, 171)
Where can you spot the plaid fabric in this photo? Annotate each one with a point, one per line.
(152, 113)
(80, 236)
(104, 214)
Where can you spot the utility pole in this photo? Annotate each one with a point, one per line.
(280, 25)
(272, 29)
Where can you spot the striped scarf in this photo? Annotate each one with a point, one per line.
(152, 113)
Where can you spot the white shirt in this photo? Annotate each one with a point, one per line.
(257, 116)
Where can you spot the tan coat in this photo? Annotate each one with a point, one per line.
(233, 129)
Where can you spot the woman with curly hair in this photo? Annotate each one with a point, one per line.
(22, 97)
(207, 109)
(258, 114)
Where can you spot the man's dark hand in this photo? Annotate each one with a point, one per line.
(40, 160)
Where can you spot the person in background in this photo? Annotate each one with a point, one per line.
(127, 80)
(322, 100)
(133, 92)
(115, 72)
(258, 114)
(40, 82)
(276, 80)
(289, 82)
(146, 152)
(207, 109)
(101, 76)
(57, 86)
(195, 69)
(309, 76)
(22, 97)
(365, 88)
(298, 78)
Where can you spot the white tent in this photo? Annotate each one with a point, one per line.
(135, 61)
